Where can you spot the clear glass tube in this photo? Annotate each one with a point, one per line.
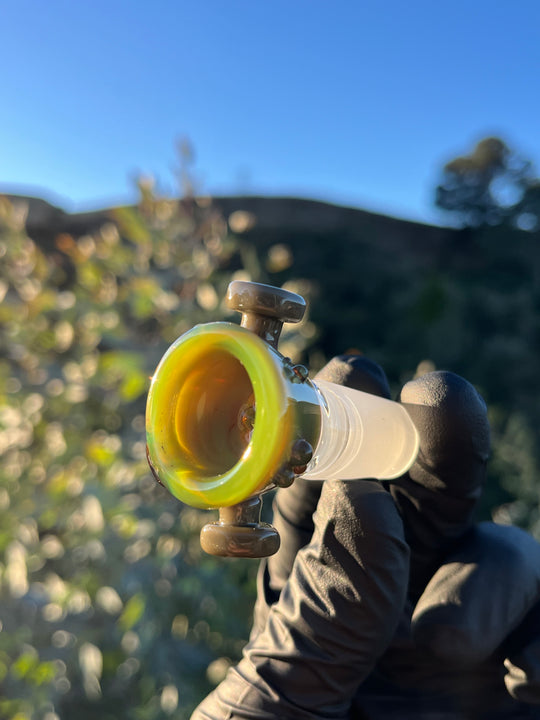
(362, 436)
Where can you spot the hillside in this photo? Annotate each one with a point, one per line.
(278, 215)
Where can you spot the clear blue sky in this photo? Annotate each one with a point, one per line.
(356, 102)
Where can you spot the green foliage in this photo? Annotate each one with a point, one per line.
(108, 606)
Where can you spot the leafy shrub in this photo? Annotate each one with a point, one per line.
(108, 607)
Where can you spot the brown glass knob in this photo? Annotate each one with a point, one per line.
(265, 308)
(240, 533)
(245, 541)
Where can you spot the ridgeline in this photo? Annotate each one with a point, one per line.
(409, 295)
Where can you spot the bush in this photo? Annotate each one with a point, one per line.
(108, 606)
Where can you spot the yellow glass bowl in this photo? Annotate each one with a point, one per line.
(219, 420)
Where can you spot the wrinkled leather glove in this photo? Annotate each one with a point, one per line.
(469, 639)
(329, 601)
(340, 625)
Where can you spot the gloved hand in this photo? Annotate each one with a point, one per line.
(473, 587)
(329, 601)
(335, 618)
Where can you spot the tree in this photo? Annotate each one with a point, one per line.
(487, 186)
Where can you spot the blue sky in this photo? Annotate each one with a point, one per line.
(353, 102)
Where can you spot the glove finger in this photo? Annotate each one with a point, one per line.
(451, 419)
(357, 372)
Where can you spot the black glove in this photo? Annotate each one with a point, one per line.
(470, 636)
(329, 601)
(342, 631)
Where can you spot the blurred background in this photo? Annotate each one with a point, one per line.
(381, 160)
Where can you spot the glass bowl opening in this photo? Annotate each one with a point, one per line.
(215, 414)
